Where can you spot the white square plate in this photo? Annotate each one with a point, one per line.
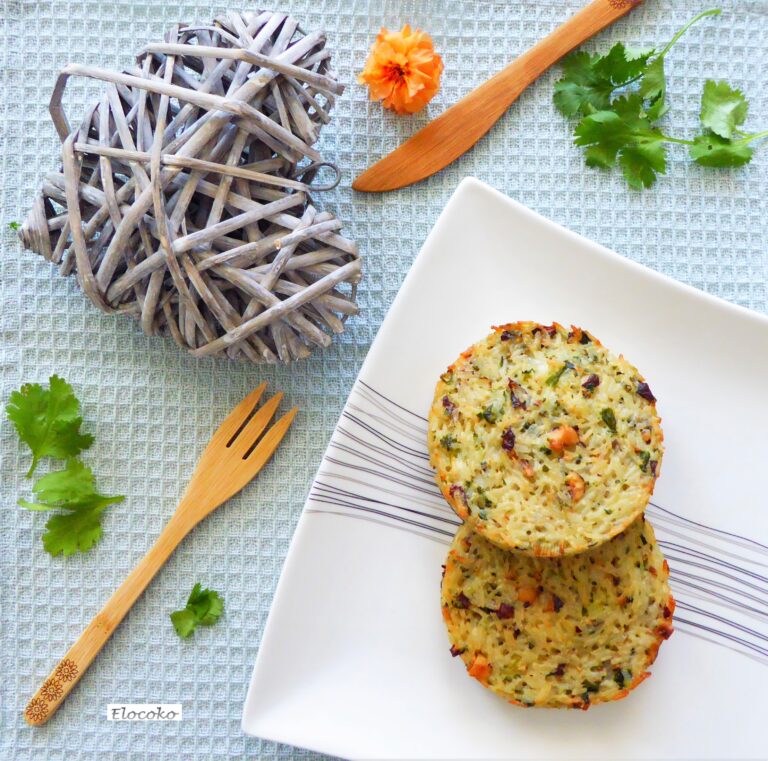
(354, 661)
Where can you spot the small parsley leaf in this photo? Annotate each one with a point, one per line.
(627, 134)
(620, 64)
(70, 489)
(589, 80)
(582, 89)
(723, 108)
(653, 88)
(204, 607)
(723, 111)
(712, 150)
(15, 226)
(68, 533)
(73, 490)
(641, 163)
(48, 420)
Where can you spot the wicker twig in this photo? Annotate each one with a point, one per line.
(183, 197)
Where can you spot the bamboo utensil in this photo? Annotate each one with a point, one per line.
(234, 455)
(456, 130)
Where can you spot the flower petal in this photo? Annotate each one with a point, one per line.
(403, 70)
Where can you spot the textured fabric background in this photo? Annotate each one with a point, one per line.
(153, 408)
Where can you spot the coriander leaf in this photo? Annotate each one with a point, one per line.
(70, 489)
(653, 88)
(712, 150)
(65, 487)
(605, 133)
(579, 66)
(204, 607)
(620, 64)
(723, 108)
(601, 156)
(589, 81)
(582, 89)
(15, 226)
(621, 130)
(48, 420)
(642, 162)
(657, 109)
(206, 604)
(72, 532)
(627, 134)
(605, 129)
(184, 621)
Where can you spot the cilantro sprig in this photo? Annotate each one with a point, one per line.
(722, 143)
(48, 421)
(618, 98)
(203, 608)
(74, 491)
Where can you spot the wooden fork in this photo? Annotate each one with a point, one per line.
(234, 455)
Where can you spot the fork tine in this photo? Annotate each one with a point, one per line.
(235, 418)
(247, 437)
(272, 438)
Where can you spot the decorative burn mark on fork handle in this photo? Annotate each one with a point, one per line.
(619, 4)
(75, 663)
(46, 700)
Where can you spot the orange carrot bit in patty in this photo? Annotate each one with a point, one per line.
(480, 668)
(527, 594)
(527, 468)
(561, 437)
(576, 486)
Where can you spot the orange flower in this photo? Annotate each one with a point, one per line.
(402, 70)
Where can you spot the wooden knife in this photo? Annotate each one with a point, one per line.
(457, 129)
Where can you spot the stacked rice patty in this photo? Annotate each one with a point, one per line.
(548, 446)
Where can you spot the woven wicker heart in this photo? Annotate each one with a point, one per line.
(184, 197)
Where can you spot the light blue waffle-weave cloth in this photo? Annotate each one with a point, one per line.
(152, 407)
